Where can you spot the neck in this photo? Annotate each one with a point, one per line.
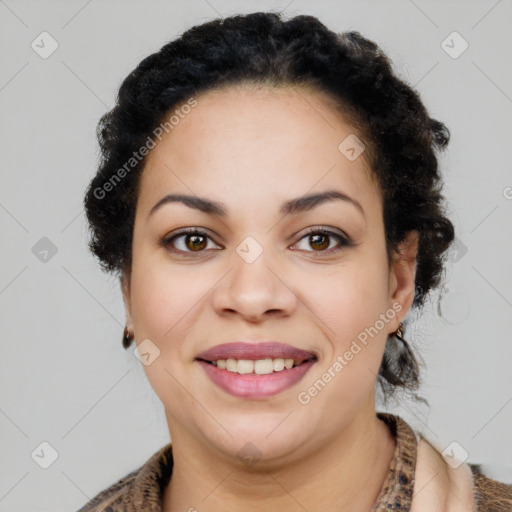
(346, 472)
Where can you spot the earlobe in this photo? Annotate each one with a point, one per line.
(403, 273)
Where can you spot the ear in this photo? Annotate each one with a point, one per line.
(125, 288)
(402, 275)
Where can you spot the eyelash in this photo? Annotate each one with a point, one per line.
(166, 242)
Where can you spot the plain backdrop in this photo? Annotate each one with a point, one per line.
(72, 398)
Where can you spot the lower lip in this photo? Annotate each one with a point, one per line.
(256, 386)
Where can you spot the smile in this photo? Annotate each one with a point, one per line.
(258, 367)
(256, 379)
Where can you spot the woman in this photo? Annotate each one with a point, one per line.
(270, 197)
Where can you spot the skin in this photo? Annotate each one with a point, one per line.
(253, 149)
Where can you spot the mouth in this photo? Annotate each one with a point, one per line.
(255, 371)
(264, 366)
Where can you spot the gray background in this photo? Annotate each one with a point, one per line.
(65, 378)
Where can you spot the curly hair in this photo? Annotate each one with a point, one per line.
(263, 48)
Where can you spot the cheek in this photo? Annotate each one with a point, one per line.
(351, 315)
(351, 304)
(163, 299)
(153, 304)
(350, 299)
(163, 312)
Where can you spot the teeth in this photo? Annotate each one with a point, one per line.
(278, 364)
(263, 366)
(260, 366)
(232, 365)
(245, 366)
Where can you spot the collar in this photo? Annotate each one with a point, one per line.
(397, 488)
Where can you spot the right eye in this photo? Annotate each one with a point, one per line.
(187, 241)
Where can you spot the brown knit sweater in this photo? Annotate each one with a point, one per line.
(142, 489)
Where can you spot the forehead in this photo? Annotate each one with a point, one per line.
(281, 141)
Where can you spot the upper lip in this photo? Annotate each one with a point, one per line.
(254, 351)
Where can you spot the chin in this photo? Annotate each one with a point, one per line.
(262, 441)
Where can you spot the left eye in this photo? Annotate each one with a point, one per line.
(320, 238)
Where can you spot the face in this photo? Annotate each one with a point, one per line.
(262, 272)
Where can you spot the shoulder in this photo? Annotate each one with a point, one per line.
(491, 495)
(438, 486)
(139, 490)
(461, 487)
(112, 496)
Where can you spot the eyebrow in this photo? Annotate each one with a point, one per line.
(291, 207)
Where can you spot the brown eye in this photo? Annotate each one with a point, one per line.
(320, 239)
(195, 242)
(187, 242)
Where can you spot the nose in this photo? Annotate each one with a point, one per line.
(255, 290)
